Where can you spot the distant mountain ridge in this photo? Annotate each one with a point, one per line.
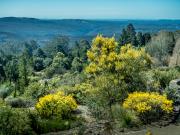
(44, 29)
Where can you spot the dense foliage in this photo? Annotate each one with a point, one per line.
(14, 121)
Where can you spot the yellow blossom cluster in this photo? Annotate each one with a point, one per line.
(142, 102)
(132, 59)
(103, 56)
(55, 105)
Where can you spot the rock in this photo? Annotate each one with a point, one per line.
(175, 58)
(84, 112)
(174, 85)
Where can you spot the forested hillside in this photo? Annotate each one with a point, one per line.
(12, 28)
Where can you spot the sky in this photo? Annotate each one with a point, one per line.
(91, 9)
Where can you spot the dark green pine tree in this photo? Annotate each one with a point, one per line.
(77, 64)
(147, 37)
(140, 39)
(80, 50)
(128, 35)
(131, 33)
(123, 37)
(2, 73)
(40, 53)
(23, 73)
(12, 73)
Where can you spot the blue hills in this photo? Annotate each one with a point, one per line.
(44, 29)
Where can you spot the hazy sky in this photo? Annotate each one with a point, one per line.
(92, 9)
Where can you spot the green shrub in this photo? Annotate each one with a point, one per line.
(14, 122)
(173, 91)
(5, 91)
(38, 64)
(34, 78)
(71, 79)
(54, 81)
(79, 92)
(165, 76)
(124, 117)
(49, 72)
(52, 125)
(59, 65)
(174, 95)
(35, 90)
(19, 102)
(158, 79)
(2, 103)
(47, 62)
(106, 90)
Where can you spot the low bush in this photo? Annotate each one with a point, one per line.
(79, 92)
(35, 90)
(52, 125)
(174, 95)
(124, 117)
(54, 81)
(41, 125)
(19, 102)
(165, 76)
(149, 106)
(105, 91)
(71, 79)
(158, 79)
(56, 105)
(2, 103)
(5, 91)
(14, 122)
(173, 91)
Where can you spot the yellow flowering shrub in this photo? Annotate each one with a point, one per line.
(103, 56)
(56, 104)
(148, 102)
(131, 59)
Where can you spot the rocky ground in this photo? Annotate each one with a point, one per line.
(93, 127)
